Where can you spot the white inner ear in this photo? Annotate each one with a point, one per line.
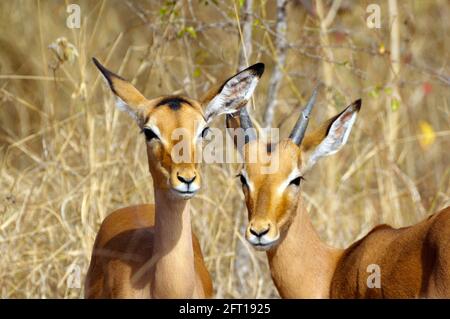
(241, 86)
(124, 107)
(234, 94)
(335, 140)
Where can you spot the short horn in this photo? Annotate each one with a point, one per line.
(300, 127)
(247, 125)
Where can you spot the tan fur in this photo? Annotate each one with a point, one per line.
(149, 251)
(414, 261)
(125, 242)
(127, 92)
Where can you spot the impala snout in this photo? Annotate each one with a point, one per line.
(262, 234)
(185, 182)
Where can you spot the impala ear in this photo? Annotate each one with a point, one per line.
(329, 137)
(234, 92)
(129, 99)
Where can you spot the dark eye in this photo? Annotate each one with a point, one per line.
(243, 180)
(296, 181)
(149, 134)
(205, 132)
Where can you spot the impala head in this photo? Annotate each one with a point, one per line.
(172, 121)
(272, 198)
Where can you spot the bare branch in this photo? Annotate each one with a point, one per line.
(245, 35)
(332, 13)
(277, 73)
(393, 117)
(246, 22)
(245, 32)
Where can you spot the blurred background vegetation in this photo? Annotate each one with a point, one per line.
(68, 157)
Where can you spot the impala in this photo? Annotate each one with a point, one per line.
(149, 251)
(414, 262)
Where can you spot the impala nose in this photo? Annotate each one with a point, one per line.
(259, 232)
(186, 180)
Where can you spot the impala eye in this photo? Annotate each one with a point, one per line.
(243, 180)
(205, 132)
(149, 134)
(296, 181)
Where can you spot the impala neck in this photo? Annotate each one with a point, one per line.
(302, 265)
(174, 274)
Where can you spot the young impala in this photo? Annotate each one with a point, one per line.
(414, 262)
(149, 251)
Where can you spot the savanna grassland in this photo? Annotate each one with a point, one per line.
(68, 157)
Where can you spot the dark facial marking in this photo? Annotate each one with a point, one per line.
(174, 102)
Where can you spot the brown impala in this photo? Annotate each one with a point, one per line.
(414, 262)
(149, 251)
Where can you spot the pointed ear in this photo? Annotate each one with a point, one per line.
(329, 137)
(234, 92)
(129, 99)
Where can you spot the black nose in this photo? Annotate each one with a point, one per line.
(261, 232)
(186, 180)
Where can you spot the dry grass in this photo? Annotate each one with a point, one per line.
(68, 157)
